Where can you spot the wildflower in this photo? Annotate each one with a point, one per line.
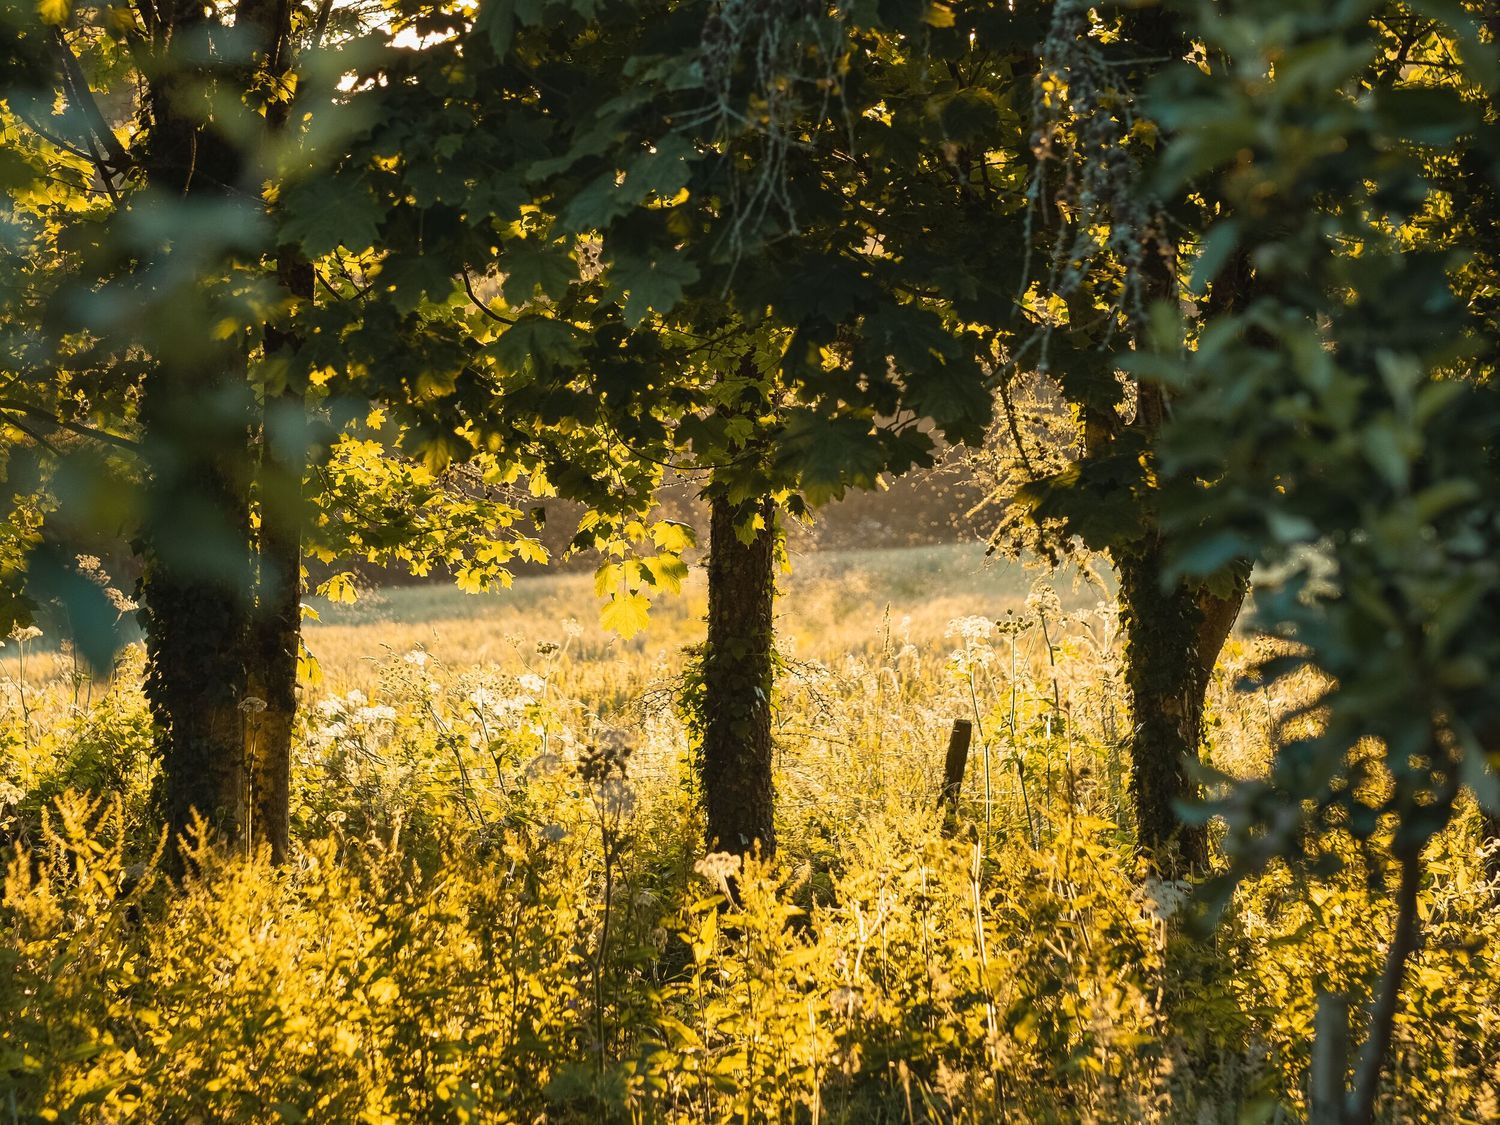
(492, 704)
(967, 661)
(1010, 625)
(970, 629)
(380, 713)
(1162, 898)
(356, 698)
(532, 683)
(572, 628)
(607, 756)
(845, 1001)
(416, 657)
(719, 867)
(121, 602)
(23, 633)
(252, 705)
(1043, 601)
(547, 648)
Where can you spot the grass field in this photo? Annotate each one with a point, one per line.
(830, 603)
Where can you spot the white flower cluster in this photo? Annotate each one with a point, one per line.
(343, 716)
(495, 706)
(1043, 600)
(1164, 898)
(719, 867)
(970, 629)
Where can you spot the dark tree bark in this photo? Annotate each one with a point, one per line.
(196, 579)
(738, 794)
(195, 417)
(276, 624)
(1384, 1004)
(1173, 637)
(276, 628)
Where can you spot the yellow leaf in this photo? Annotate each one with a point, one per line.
(672, 536)
(625, 613)
(309, 671)
(340, 589)
(938, 15)
(54, 12)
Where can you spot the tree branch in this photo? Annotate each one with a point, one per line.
(480, 305)
(1361, 1106)
(83, 97)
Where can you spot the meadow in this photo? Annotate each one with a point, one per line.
(499, 907)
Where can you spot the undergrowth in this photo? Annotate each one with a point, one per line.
(499, 910)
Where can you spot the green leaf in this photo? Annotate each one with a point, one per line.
(498, 20)
(651, 285)
(412, 278)
(672, 536)
(1209, 555)
(600, 203)
(530, 265)
(664, 170)
(668, 572)
(323, 215)
(1218, 247)
(538, 338)
(828, 455)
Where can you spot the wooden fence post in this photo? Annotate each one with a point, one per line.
(954, 765)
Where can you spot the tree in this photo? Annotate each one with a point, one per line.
(177, 324)
(1074, 454)
(594, 302)
(1341, 429)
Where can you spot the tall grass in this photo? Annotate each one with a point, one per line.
(499, 908)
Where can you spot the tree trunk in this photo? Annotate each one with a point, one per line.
(738, 795)
(195, 419)
(196, 580)
(276, 630)
(1173, 638)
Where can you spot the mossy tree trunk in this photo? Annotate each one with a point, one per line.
(196, 580)
(738, 670)
(195, 420)
(276, 628)
(1173, 637)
